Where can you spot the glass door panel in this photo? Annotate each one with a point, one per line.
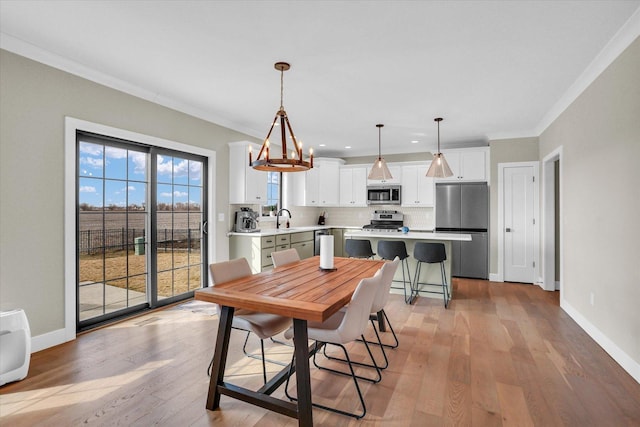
(179, 218)
(112, 223)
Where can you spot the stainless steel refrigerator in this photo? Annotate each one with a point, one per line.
(464, 208)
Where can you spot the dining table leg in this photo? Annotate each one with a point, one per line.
(220, 357)
(303, 376)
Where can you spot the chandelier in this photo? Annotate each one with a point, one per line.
(293, 163)
(439, 167)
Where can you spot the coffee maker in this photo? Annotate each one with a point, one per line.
(246, 221)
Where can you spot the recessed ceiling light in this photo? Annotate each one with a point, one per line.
(323, 145)
(414, 141)
(347, 146)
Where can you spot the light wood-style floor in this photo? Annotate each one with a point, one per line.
(502, 354)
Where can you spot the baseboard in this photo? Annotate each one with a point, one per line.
(495, 277)
(47, 340)
(623, 359)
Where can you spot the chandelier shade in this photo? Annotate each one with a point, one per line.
(379, 170)
(294, 162)
(439, 167)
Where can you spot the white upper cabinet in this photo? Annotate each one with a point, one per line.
(329, 182)
(396, 176)
(468, 164)
(246, 185)
(417, 188)
(353, 186)
(319, 186)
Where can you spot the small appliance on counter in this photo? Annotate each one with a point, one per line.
(246, 221)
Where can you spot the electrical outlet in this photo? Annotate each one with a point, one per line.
(591, 298)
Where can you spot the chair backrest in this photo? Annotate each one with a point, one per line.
(388, 270)
(429, 252)
(389, 249)
(285, 257)
(356, 317)
(358, 248)
(229, 270)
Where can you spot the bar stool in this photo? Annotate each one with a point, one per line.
(431, 253)
(358, 248)
(388, 250)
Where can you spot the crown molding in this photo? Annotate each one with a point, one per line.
(35, 53)
(626, 35)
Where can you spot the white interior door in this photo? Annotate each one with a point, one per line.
(519, 224)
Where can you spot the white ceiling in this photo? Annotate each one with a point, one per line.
(492, 69)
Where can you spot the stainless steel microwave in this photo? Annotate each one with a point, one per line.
(383, 194)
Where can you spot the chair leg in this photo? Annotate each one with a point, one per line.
(335, 371)
(445, 287)
(355, 381)
(366, 365)
(395, 337)
(405, 263)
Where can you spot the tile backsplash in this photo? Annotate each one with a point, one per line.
(301, 216)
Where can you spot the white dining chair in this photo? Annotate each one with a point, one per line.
(264, 325)
(285, 257)
(344, 327)
(387, 272)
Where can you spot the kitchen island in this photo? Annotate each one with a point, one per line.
(430, 274)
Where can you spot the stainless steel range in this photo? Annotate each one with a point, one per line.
(383, 220)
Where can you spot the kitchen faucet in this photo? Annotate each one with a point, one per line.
(278, 216)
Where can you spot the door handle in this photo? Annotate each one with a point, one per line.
(205, 227)
(508, 230)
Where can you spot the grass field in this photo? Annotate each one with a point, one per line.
(178, 271)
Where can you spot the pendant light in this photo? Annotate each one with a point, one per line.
(439, 167)
(292, 163)
(379, 170)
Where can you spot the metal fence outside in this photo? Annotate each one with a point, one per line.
(95, 241)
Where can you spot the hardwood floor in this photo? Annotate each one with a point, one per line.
(502, 354)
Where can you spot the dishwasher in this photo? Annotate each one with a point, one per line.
(316, 245)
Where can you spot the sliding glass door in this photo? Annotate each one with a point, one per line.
(140, 227)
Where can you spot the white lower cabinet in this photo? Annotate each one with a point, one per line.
(257, 249)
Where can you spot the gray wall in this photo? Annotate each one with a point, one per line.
(35, 99)
(600, 189)
(504, 151)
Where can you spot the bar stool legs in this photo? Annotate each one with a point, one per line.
(388, 250)
(430, 253)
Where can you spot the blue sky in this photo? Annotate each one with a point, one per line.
(124, 174)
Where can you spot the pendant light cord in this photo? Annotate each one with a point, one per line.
(281, 88)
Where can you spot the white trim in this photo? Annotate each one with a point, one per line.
(495, 277)
(623, 359)
(49, 339)
(499, 277)
(22, 48)
(548, 220)
(72, 125)
(618, 43)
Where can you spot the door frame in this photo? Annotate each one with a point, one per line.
(548, 221)
(536, 209)
(72, 125)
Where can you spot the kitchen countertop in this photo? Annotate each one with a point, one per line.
(411, 235)
(273, 231)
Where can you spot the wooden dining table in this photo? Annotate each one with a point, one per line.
(300, 290)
